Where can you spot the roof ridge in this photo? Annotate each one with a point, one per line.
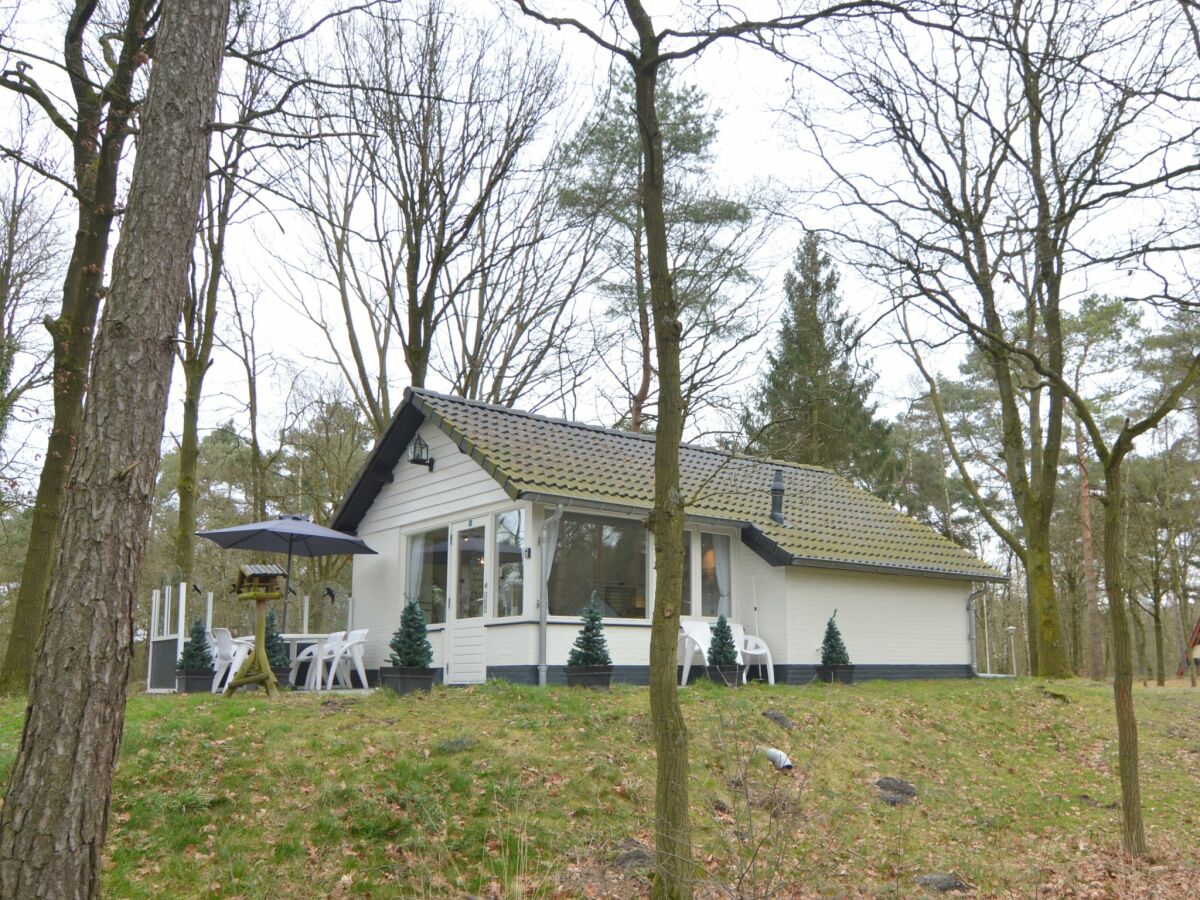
(615, 432)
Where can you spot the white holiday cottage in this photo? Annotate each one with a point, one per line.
(502, 524)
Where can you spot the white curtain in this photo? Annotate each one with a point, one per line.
(721, 553)
(549, 545)
(416, 556)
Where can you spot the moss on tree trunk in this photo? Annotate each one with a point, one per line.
(55, 815)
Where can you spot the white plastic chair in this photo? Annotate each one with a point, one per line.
(229, 656)
(696, 637)
(752, 651)
(349, 652)
(316, 667)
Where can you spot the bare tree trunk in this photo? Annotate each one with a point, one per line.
(189, 457)
(1133, 832)
(672, 831)
(1090, 586)
(101, 127)
(642, 393)
(1160, 665)
(55, 814)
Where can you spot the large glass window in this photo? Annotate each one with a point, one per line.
(510, 563)
(601, 555)
(714, 574)
(427, 570)
(471, 602)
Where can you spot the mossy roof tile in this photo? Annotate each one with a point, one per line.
(828, 520)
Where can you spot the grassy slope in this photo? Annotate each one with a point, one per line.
(508, 791)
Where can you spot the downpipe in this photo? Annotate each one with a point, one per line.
(972, 638)
(544, 601)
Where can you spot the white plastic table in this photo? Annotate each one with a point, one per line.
(313, 681)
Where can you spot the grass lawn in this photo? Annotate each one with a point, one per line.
(506, 791)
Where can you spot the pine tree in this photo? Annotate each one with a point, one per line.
(833, 649)
(710, 238)
(410, 644)
(813, 404)
(722, 652)
(590, 648)
(196, 655)
(277, 652)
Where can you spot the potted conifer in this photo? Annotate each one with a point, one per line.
(835, 660)
(722, 654)
(411, 654)
(589, 664)
(194, 671)
(277, 651)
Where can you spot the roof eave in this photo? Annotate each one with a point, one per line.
(377, 471)
(881, 569)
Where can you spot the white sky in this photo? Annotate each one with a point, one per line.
(755, 142)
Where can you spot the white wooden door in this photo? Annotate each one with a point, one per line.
(465, 651)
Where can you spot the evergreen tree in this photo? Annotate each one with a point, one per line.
(722, 652)
(812, 405)
(833, 649)
(410, 644)
(710, 237)
(277, 652)
(590, 648)
(196, 655)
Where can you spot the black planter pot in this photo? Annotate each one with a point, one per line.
(193, 682)
(404, 679)
(727, 675)
(596, 677)
(838, 674)
(282, 673)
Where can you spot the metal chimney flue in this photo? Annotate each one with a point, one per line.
(777, 497)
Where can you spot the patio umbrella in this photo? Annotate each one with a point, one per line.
(293, 535)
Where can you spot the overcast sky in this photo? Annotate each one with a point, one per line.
(757, 142)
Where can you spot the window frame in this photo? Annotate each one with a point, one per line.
(494, 546)
(406, 557)
(648, 560)
(694, 603)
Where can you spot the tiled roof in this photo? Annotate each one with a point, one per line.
(827, 520)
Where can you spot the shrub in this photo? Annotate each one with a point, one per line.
(196, 655)
(410, 644)
(590, 648)
(277, 652)
(722, 652)
(833, 649)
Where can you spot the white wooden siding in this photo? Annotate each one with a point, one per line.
(455, 489)
(884, 619)
(456, 486)
(378, 594)
(628, 645)
(754, 576)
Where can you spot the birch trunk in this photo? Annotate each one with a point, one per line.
(55, 815)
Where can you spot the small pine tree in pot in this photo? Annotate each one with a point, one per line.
(835, 660)
(194, 671)
(589, 664)
(277, 651)
(411, 654)
(722, 654)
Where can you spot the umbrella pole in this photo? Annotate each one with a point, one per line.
(287, 589)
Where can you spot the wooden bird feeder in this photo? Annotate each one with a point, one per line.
(260, 584)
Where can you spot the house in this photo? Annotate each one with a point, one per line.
(485, 513)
